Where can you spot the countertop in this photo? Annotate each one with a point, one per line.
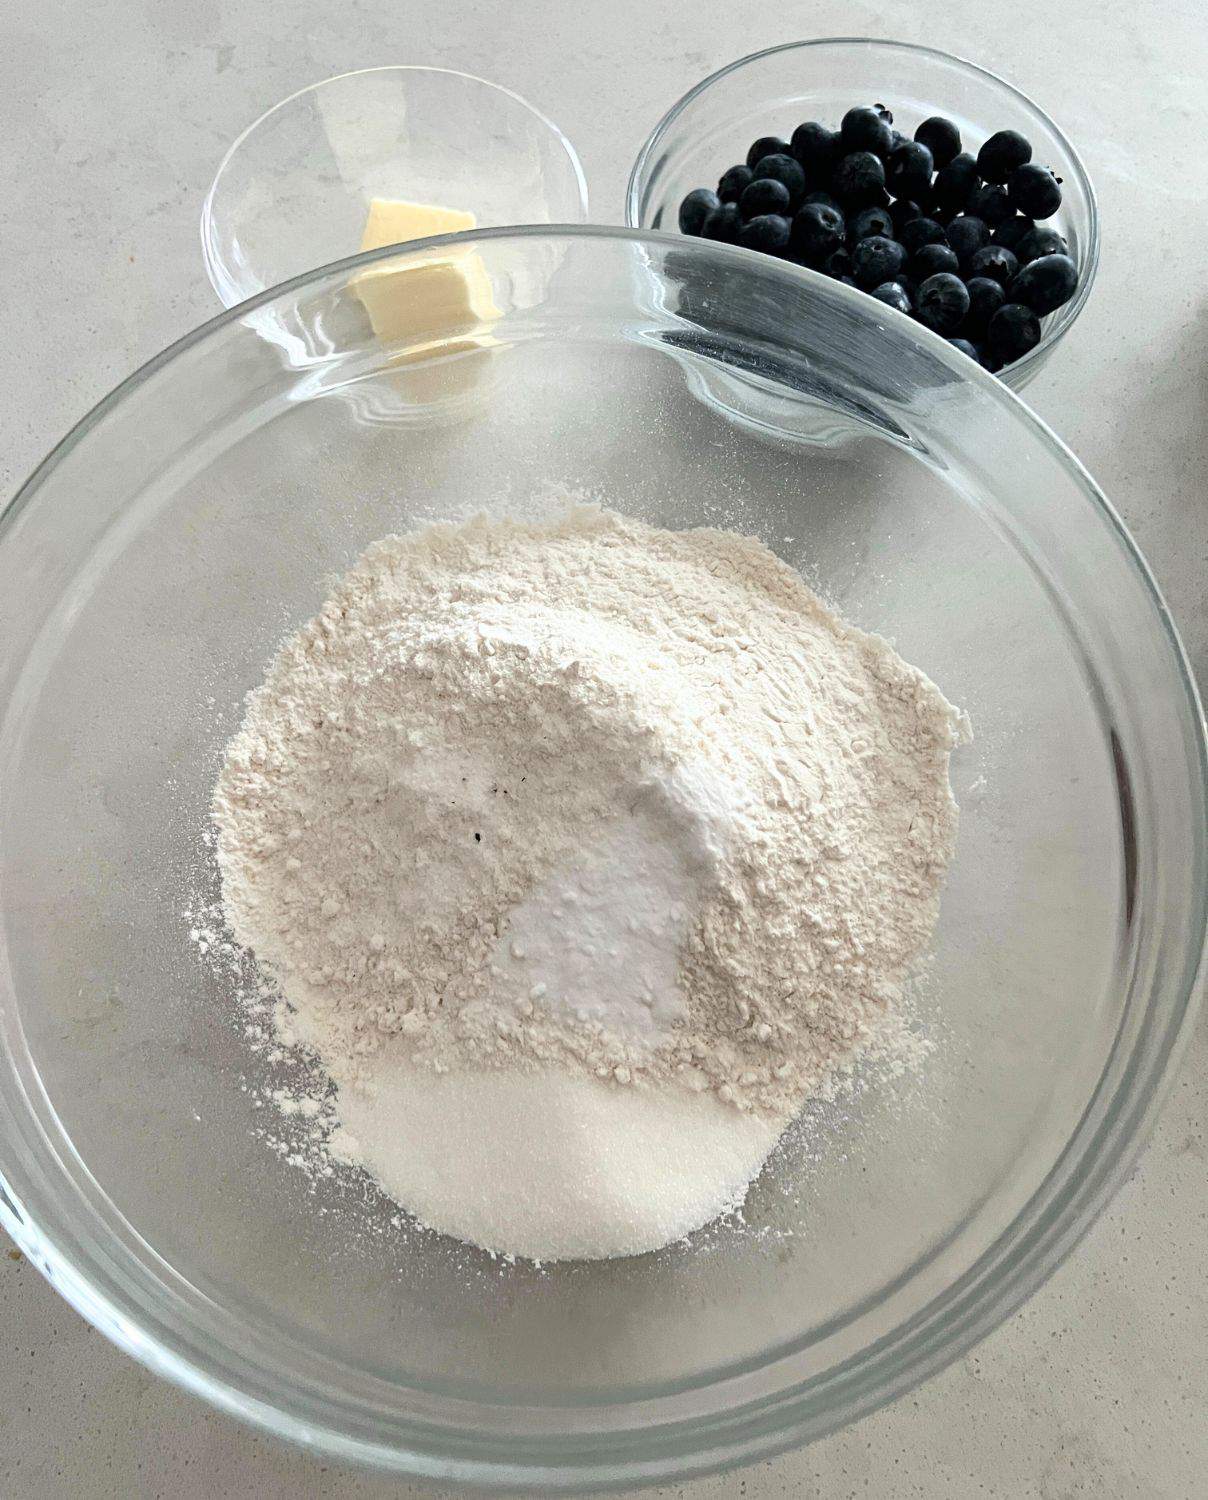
(116, 117)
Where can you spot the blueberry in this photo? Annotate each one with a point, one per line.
(990, 204)
(985, 298)
(732, 183)
(859, 179)
(816, 148)
(870, 221)
(824, 200)
(764, 196)
(785, 169)
(696, 208)
(893, 294)
(876, 259)
(909, 170)
(722, 224)
(1009, 234)
(766, 145)
(1013, 330)
(932, 259)
(768, 232)
(1045, 284)
(817, 232)
(990, 359)
(1034, 191)
(1002, 153)
(965, 347)
(996, 262)
(885, 113)
(943, 302)
(837, 264)
(967, 235)
(898, 139)
(955, 184)
(1040, 241)
(919, 232)
(863, 129)
(903, 210)
(941, 137)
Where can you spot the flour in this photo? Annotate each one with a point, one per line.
(616, 818)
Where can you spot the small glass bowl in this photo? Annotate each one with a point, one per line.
(293, 191)
(771, 92)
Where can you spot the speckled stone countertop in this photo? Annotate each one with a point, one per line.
(116, 116)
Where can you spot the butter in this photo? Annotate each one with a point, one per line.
(440, 297)
(429, 300)
(392, 220)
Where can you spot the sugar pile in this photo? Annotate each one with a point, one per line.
(552, 1164)
(580, 854)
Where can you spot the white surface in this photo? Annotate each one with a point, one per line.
(115, 117)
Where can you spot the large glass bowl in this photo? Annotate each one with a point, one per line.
(771, 92)
(147, 570)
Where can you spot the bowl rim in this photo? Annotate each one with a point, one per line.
(1094, 1161)
(219, 273)
(1020, 371)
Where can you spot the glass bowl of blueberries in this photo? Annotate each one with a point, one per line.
(923, 180)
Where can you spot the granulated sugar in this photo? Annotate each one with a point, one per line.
(581, 854)
(551, 1163)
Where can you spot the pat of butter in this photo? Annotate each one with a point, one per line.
(392, 220)
(442, 297)
(428, 301)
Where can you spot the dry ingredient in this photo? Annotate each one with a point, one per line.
(549, 1163)
(581, 854)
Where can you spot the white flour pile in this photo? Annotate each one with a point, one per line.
(581, 854)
